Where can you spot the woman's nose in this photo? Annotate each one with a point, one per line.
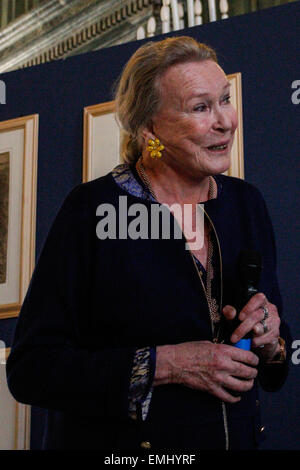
(222, 120)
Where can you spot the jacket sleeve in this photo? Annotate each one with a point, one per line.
(49, 365)
(271, 376)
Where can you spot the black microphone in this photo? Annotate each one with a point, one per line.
(249, 271)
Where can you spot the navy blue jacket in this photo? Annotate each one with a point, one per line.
(92, 302)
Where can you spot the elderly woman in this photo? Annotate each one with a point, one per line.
(128, 341)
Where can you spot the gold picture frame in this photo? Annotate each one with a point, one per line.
(18, 148)
(14, 416)
(237, 153)
(102, 138)
(100, 157)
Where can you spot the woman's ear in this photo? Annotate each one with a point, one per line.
(147, 133)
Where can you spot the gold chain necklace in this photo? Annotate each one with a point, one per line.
(142, 172)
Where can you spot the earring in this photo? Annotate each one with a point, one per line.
(155, 148)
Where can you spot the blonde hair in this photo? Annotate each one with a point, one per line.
(137, 95)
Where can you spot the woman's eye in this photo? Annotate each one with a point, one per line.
(200, 107)
(227, 99)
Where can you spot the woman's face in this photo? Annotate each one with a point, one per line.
(196, 121)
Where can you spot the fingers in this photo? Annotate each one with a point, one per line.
(249, 318)
(264, 340)
(229, 312)
(272, 324)
(241, 356)
(269, 338)
(240, 370)
(255, 303)
(215, 368)
(230, 383)
(222, 386)
(239, 385)
(226, 396)
(252, 315)
(258, 329)
(272, 329)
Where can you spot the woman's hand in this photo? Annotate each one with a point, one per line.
(206, 366)
(264, 339)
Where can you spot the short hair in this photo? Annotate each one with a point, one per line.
(138, 96)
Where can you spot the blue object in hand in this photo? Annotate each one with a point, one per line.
(244, 343)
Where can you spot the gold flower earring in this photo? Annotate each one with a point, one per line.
(155, 148)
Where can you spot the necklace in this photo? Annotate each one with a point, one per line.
(142, 172)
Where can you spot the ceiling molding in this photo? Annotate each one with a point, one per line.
(55, 31)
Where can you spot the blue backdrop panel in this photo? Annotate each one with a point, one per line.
(264, 47)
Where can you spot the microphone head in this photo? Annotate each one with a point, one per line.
(249, 267)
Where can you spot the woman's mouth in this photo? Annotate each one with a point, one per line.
(218, 147)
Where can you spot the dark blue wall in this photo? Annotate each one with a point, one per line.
(265, 48)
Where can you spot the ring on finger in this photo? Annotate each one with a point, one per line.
(264, 326)
(266, 312)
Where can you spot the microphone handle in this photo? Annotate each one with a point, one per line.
(245, 343)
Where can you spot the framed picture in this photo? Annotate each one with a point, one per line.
(103, 140)
(237, 153)
(18, 179)
(14, 416)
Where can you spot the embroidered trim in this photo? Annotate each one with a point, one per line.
(125, 179)
(139, 383)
